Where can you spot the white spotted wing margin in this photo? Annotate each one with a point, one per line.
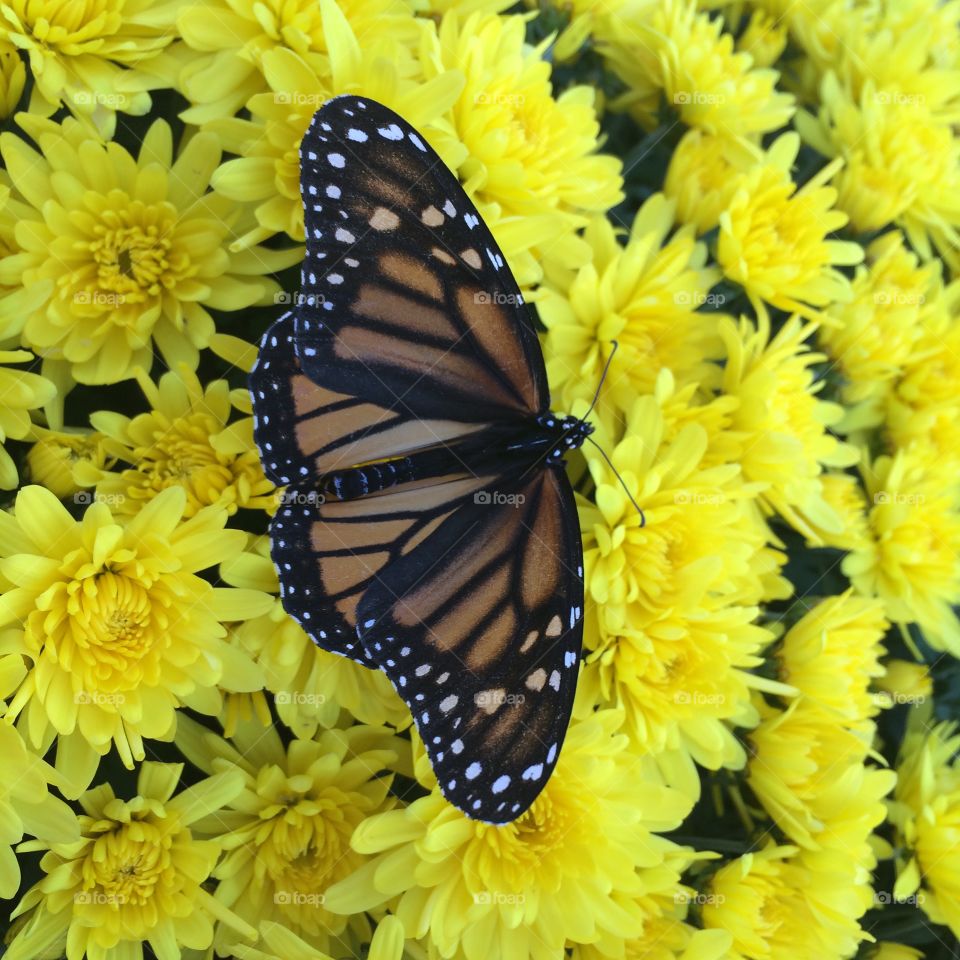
(480, 631)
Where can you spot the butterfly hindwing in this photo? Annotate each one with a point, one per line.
(407, 299)
(480, 630)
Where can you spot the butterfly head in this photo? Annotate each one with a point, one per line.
(566, 433)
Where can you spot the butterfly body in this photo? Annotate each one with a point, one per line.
(427, 528)
(546, 438)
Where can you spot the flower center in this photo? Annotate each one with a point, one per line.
(113, 632)
(131, 259)
(127, 865)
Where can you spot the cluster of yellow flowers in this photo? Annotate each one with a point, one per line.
(760, 202)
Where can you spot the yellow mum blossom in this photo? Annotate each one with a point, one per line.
(182, 442)
(781, 423)
(764, 38)
(877, 331)
(25, 805)
(703, 175)
(133, 249)
(911, 561)
(53, 460)
(95, 58)
(228, 40)
(807, 764)
(267, 169)
(901, 163)
(924, 408)
(668, 933)
(20, 392)
(644, 295)
(310, 685)
(527, 154)
(135, 877)
(13, 75)
(118, 629)
(843, 494)
(904, 682)
(773, 237)
(776, 906)
(926, 811)
(887, 950)
(685, 53)
(675, 634)
(833, 653)
(287, 837)
(901, 48)
(558, 874)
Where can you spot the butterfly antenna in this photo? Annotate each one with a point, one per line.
(603, 376)
(603, 453)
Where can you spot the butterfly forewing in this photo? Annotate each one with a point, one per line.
(479, 629)
(406, 290)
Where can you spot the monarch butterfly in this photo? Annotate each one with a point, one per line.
(428, 528)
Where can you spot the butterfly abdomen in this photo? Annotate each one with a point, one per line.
(361, 481)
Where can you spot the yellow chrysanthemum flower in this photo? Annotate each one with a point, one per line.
(527, 153)
(310, 685)
(785, 443)
(845, 499)
(764, 38)
(228, 40)
(287, 837)
(675, 635)
(832, 654)
(776, 905)
(95, 59)
(773, 237)
(53, 459)
(901, 163)
(704, 173)
(20, 392)
(13, 75)
(904, 682)
(132, 250)
(926, 813)
(558, 874)
(267, 169)
(873, 335)
(118, 629)
(135, 877)
(644, 295)
(26, 804)
(182, 442)
(887, 950)
(911, 561)
(807, 764)
(924, 408)
(279, 943)
(900, 47)
(684, 52)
